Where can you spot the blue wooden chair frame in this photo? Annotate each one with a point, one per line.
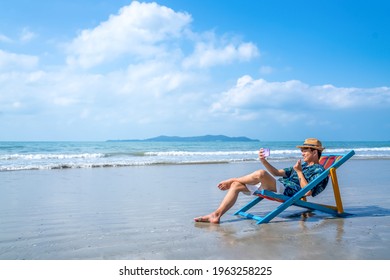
(331, 162)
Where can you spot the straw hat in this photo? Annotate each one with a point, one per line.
(312, 143)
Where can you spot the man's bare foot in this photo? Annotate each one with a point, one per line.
(211, 218)
(225, 185)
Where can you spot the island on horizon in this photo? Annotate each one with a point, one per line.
(205, 138)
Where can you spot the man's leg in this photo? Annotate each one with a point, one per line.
(267, 181)
(234, 187)
(228, 201)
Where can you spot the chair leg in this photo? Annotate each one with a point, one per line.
(249, 205)
(336, 190)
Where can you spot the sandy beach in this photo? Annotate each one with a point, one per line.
(147, 213)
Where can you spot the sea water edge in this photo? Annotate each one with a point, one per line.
(74, 154)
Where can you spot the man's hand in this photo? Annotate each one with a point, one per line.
(261, 155)
(298, 166)
(302, 180)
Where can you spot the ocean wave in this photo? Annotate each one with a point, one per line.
(81, 165)
(103, 165)
(361, 149)
(244, 153)
(49, 156)
(197, 153)
(255, 152)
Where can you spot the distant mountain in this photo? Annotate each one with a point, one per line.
(205, 138)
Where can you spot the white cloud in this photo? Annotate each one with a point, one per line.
(26, 35)
(12, 61)
(253, 95)
(206, 54)
(148, 31)
(5, 39)
(139, 30)
(344, 98)
(161, 83)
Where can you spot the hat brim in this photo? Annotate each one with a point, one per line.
(311, 147)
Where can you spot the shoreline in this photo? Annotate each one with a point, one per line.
(146, 213)
(16, 156)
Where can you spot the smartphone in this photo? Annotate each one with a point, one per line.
(266, 152)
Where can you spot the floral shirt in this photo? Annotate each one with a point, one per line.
(291, 180)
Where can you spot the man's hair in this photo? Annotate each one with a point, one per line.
(319, 153)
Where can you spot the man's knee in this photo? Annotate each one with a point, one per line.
(259, 175)
(237, 186)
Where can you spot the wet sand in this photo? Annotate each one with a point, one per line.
(146, 213)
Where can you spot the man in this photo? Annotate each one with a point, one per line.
(292, 179)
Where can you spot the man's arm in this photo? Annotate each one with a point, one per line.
(302, 180)
(271, 169)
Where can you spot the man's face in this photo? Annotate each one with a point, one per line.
(308, 155)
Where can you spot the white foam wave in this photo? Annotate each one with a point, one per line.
(49, 156)
(64, 160)
(186, 153)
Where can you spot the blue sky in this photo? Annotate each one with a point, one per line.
(270, 70)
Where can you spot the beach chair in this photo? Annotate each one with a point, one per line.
(330, 162)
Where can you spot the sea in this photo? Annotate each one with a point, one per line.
(15, 156)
